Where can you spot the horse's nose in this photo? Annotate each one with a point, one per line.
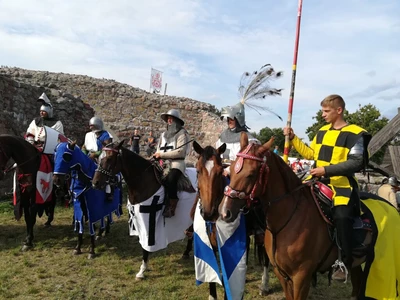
(95, 184)
(226, 216)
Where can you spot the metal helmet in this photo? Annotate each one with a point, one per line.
(393, 181)
(234, 112)
(47, 108)
(44, 98)
(97, 123)
(173, 113)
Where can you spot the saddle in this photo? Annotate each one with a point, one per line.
(163, 167)
(323, 197)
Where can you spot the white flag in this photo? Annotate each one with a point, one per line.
(156, 80)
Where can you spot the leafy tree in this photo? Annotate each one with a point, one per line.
(266, 133)
(368, 117)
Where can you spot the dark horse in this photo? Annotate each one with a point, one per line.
(297, 240)
(144, 186)
(211, 184)
(27, 157)
(89, 204)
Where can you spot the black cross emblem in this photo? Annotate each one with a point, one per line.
(165, 147)
(152, 210)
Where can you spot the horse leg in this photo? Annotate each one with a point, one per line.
(264, 289)
(301, 286)
(213, 291)
(30, 220)
(78, 247)
(143, 267)
(356, 275)
(286, 285)
(108, 223)
(189, 247)
(92, 253)
(99, 234)
(50, 211)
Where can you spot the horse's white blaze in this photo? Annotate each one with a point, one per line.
(209, 166)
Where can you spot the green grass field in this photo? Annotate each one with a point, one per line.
(50, 271)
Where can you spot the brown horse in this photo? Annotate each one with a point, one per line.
(27, 157)
(211, 185)
(143, 181)
(297, 240)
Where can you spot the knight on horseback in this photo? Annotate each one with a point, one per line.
(235, 118)
(36, 133)
(96, 139)
(339, 150)
(173, 147)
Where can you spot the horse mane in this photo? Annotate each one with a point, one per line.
(140, 162)
(290, 178)
(17, 141)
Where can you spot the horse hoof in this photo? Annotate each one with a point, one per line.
(139, 278)
(26, 248)
(91, 255)
(77, 252)
(185, 256)
(265, 292)
(98, 237)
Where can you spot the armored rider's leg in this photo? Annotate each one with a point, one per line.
(343, 219)
(172, 189)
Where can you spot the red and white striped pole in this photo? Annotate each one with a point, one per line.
(293, 83)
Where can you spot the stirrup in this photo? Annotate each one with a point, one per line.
(339, 265)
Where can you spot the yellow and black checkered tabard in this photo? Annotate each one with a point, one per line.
(331, 146)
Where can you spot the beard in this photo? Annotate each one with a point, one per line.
(172, 130)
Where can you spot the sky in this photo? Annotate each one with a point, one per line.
(347, 47)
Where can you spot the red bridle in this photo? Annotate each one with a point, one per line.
(264, 170)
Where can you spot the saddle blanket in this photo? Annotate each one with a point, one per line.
(44, 182)
(231, 238)
(147, 222)
(382, 267)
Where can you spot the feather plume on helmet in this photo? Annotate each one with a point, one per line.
(256, 86)
(253, 86)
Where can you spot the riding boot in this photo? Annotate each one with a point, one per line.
(344, 229)
(170, 208)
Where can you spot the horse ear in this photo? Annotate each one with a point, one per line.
(267, 145)
(197, 148)
(119, 146)
(71, 145)
(244, 140)
(221, 149)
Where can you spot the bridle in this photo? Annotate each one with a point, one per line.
(101, 170)
(263, 173)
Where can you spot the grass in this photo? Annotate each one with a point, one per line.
(50, 271)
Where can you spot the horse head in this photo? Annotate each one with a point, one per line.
(23, 153)
(249, 174)
(109, 165)
(210, 179)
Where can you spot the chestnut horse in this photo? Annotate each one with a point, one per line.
(143, 181)
(297, 240)
(27, 157)
(211, 185)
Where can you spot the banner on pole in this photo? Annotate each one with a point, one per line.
(155, 81)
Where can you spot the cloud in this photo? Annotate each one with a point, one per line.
(203, 47)
(373, 90)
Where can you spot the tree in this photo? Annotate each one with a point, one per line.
(266, 133)
(368, 117)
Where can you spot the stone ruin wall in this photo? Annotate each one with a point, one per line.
(76, 98)
(122, 107)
